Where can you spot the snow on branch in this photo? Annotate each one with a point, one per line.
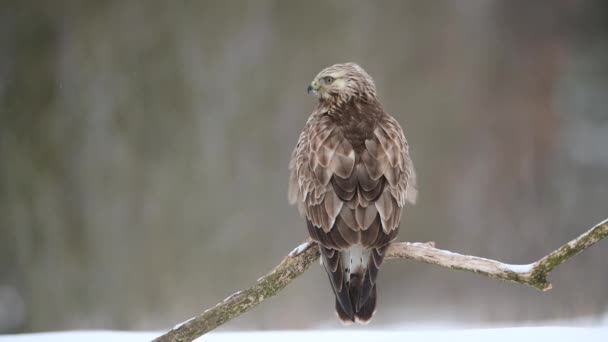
(303, 256)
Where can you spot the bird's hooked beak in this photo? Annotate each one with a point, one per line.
(313, 88)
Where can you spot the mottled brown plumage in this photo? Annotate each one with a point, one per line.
(351, 175)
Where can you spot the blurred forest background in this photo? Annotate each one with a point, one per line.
(144, 150)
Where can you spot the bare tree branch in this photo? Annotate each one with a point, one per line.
(300, 259)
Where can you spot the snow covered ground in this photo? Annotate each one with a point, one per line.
(553, 334)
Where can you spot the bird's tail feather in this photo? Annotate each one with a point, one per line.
(362, 310)
(366, 311)
(355, 287)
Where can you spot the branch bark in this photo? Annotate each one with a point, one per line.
(300, 259)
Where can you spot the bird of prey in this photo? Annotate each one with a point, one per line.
(351, 175)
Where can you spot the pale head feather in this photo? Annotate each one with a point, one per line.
(340, 82)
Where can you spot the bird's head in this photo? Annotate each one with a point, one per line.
(340, 82)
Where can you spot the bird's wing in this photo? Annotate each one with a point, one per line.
(320, 153)
(333, 186)
(387, 155)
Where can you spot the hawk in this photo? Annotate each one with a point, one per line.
(350, 176)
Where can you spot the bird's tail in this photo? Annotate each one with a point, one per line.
(364, 312)
(355, 287)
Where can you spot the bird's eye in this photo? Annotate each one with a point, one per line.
(328, 79)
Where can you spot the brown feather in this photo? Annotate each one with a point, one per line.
(349, 235)
(377, 256)
(333, 206)
(365, 181)
(366, 311)
(373, 194)
(348, 217)
(384, 204)
(320, 135)
(343, 160)
(326, 151)
(369, 236)
(361, 200)
(371, 145)
(323, 174)
(339, 242)
(329, 259)
(365, 216)
(336, 278)
(375, 167)
(344, 188)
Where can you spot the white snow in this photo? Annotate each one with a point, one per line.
(553, 334)
(233, 295)
(89, 336)
(298, 250)
(519, 268)
(178, 325)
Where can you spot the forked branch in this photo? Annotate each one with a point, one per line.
(300, 259)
